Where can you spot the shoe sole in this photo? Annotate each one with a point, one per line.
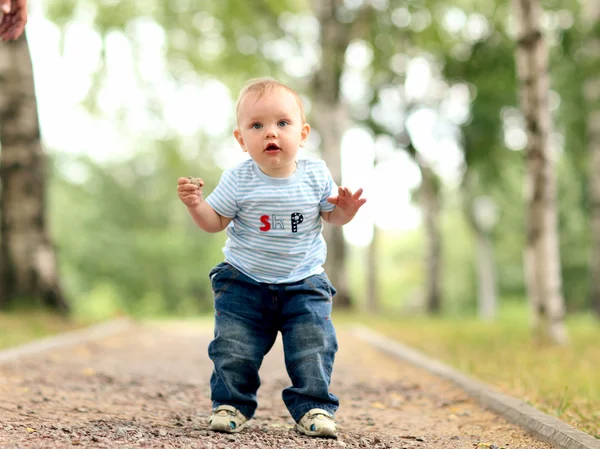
(325, 433)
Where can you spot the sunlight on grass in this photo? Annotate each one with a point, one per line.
(22, 327)
(562, 382)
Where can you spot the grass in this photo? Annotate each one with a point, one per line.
(21, 327)
(560, 381)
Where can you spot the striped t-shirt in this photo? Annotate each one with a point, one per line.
(275, 235)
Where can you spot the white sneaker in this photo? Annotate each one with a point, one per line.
(228, 419)
(317, 423)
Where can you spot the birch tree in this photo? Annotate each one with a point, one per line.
(373, 298)
(428, 195)
(331, 119)
(482, 218)
(542, 255)
(591, 90)
(28, 268)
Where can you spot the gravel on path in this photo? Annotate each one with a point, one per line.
(147, 387)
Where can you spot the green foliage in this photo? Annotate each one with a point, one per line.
(226, 39)
(126, 241)
(575, 236)
(401, 274)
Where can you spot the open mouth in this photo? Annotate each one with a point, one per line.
(272, 148)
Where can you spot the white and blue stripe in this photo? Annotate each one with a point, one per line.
(286, 244)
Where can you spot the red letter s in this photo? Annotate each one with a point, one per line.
(265, 220)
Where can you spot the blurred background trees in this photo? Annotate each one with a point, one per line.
(416, 101)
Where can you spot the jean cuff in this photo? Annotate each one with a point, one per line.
(301, 410)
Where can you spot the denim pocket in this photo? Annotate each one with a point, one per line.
(320, 284)
(222, 277)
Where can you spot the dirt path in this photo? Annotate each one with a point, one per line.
(148, 387)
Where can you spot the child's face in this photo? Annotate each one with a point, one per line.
(271, 129)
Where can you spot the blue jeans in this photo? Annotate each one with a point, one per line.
(248, 316)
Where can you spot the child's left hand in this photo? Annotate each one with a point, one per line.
(346, 201)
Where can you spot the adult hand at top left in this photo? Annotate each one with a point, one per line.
(13, 17)
(348, 202)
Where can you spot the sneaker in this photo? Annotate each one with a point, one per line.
(228, 419)
(317, 423)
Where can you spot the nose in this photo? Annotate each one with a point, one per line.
(270, 132)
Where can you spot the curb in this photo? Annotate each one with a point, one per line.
(545, 427)
(65, 339)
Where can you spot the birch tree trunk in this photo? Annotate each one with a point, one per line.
(330, 120)
(591, 18)
(28, 271)
(373, 300)
(542, 255)
(428, 197)
(481, 215)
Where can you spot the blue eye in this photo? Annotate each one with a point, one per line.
(256, 126)
(283, 123)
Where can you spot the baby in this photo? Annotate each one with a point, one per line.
(272, 279)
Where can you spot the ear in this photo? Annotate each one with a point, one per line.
(238, 136)
(304, 134)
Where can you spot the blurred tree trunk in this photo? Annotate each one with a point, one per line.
(542, 256)
(485, 267)
(428, 198)
(330, 120)
(28, 271)
(373, 267)
(591, 18)
(486, 275)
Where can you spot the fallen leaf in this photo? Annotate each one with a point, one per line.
(412, 437)
(89, 371)
(30, 430)
(378, 405)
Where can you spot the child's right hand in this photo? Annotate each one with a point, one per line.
(190, 193)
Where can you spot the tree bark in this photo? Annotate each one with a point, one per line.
(330, 120)
(542, 255)
(28, 269)
(428, 197)
(591, 90)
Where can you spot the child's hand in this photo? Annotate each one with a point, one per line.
(346, 201)
(13, 17)
(190, 191)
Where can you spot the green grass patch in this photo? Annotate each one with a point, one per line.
(560, 381)
(22, 327)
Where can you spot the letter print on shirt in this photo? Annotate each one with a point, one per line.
(295, 219)
(264, 219)
(277, 222)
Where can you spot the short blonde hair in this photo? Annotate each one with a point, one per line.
(263, 86)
